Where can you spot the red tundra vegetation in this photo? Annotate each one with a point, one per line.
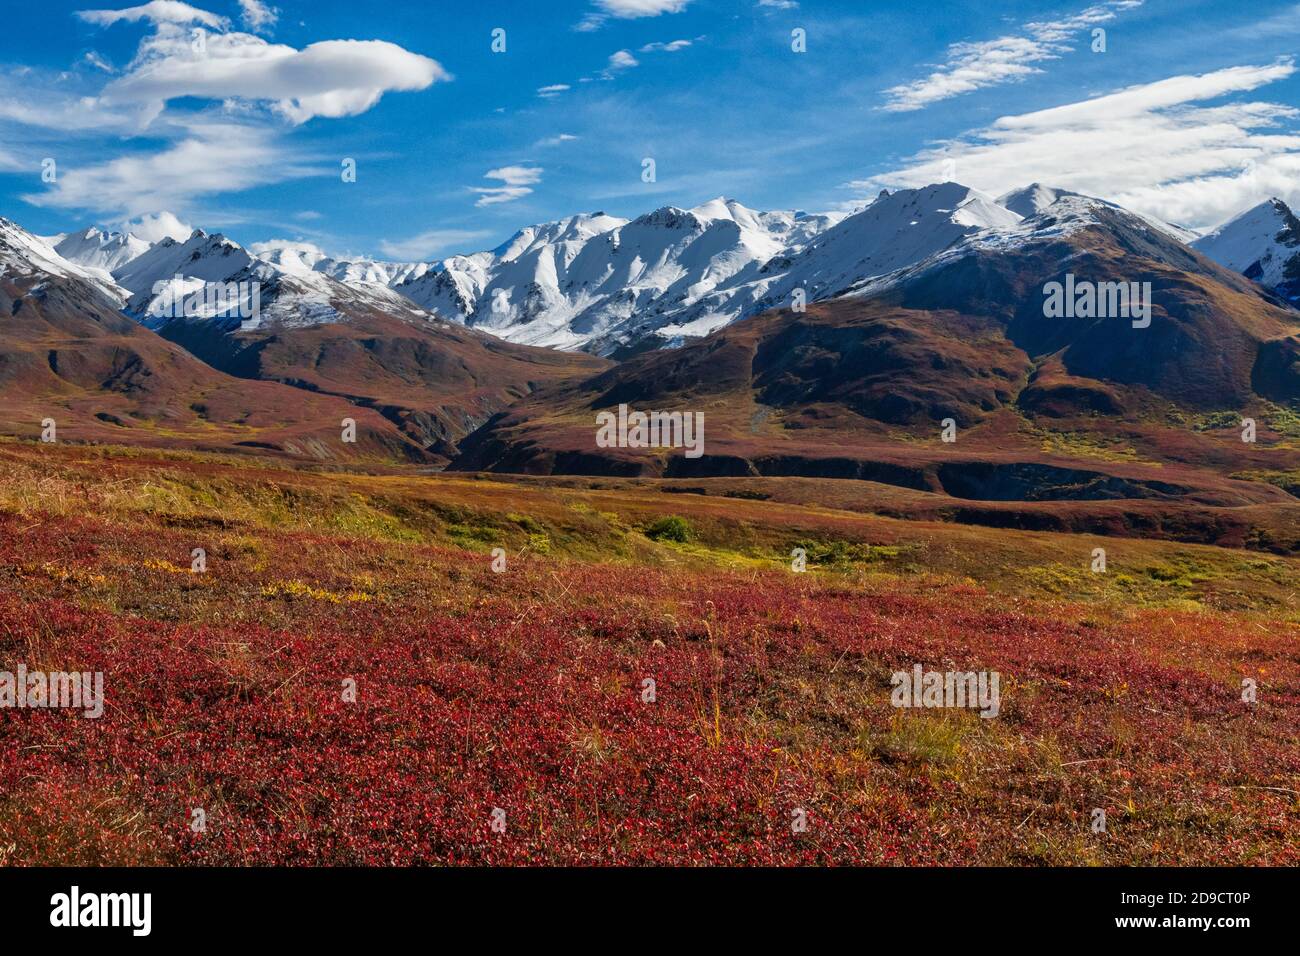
(526, 691)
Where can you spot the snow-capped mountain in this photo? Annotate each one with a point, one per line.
(23, 254)
(1032, 199)
(1262, 243)
(96, 249)
(1064, 217)
(896, 230)
(591, 281)
(299, 258)
(172, 276)
(893, 231)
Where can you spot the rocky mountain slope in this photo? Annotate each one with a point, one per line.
(1262, 243)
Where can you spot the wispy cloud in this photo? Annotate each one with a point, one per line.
(12, 164)
(1151, 147)
(426, 245)
(670, 47)
(198, 165)
(258, 16)
(37, 99)
(92, 58)
(1284, 23)
(516, 183)
(556, 140)
(630, 9)
(627, 10)
(157, 12)
(1007, 59)
(552, 91)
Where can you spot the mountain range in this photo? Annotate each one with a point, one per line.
(814, 345)
(613, 287)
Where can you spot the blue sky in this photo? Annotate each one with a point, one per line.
(246, 135)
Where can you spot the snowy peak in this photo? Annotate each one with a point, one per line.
(102, 250)
(1262, 243)
(928, 210)
(302, 259)
(1032, 199)
(729, 210)
(24, 254)
(200, 257)
(295, 258)
(669, 218)
(574, 229)
(895, 231)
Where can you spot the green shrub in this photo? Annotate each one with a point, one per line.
(670, 528)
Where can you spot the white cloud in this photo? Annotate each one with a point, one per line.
(33, 104)
(201, 164)
(622, 60)
(156, 11)
(257, 15)
(429, 244)
(1283, 23)
(552, 91)
(155, 226)
(670, 47)
(556, 140)
(627, 10)
(779, 4)
(1152, 148)
(332, 78)
(91, 58)
(631, 9)
(300, 246)
(515, 180)
(1007, 59)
